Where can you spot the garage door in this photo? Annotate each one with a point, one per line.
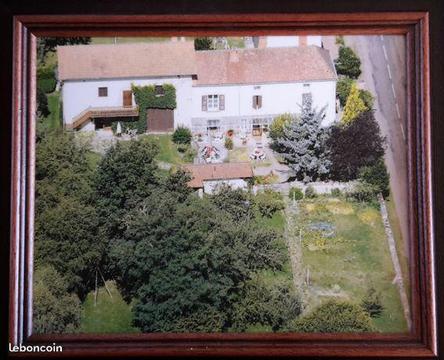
(160, 120)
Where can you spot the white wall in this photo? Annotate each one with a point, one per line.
(79, 95)
(277, 99)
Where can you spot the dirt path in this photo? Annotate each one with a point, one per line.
(294, 245)
(395, 260)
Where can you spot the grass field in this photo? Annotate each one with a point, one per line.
(241, 154)
(167, 149)
(54, 119)
(356, 257)
(400, 243)
(110, 315)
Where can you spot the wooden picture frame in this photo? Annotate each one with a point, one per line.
(422, 342)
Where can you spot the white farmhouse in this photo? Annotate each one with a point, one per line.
(216, 90)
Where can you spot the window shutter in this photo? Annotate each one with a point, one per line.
(259, 101)
(221, 102)
(204, 103)
(254, 101)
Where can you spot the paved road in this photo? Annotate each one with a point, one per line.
(384, 73)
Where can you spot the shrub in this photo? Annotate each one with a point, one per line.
(229, 143)
(295, 193)
(377, 176)
(372, 303)
(46, 79)
(189, 155)
(278, 124)
(182, 135)
(182, 148)
(336, 192)
(334, 317)
(204, 43)
(310, 192)
(42, 103)
(364, 192)
(348, 63)
(339, 40)
(367, 97)
(343, 87)
(268, 202)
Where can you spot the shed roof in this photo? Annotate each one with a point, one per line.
(78, 62)
(266, 65)
(223, 171)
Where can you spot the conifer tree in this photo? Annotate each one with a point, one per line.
(354, 106)
(303, 142)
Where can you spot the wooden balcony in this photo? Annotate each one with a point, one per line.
(102, 112)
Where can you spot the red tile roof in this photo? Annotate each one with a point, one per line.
(255, 66)
(224, 171)
(213, 67)
(165, 58)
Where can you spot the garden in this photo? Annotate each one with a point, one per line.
(345, 256)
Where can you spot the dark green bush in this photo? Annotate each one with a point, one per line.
(268, 202)
(372, 303)
(310, 192)
(364, 192)
(295, 193)
(189, 155)
(204, 43)
(377, 176)
(336, 192)
(182, 135)
(343, 87)
(333, 317)
(46, 80)
(348, 63)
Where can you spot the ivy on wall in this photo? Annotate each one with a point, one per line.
(147, 98)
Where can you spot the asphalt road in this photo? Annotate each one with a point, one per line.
(384, 73)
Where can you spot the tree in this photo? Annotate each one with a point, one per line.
(354, 146)
(42, 103)
(55, 310)
(303, 144)
(334, 317)
(266, 304)
(47, 44)
(126, 175)
(354, 105)
(376, 175)
(348, 63)
(204, 43)
(67, 234)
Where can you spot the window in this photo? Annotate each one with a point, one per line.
(159, 90)
(213, 102)
(103, 91)
(257, 101)
(306, 85)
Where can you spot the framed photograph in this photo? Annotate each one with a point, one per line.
(221, 181)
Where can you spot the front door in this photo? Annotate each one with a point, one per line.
(127, 98)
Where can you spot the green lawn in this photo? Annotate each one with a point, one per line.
(167, 149)
(241, 154)
(355, 258)
(110, 315)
